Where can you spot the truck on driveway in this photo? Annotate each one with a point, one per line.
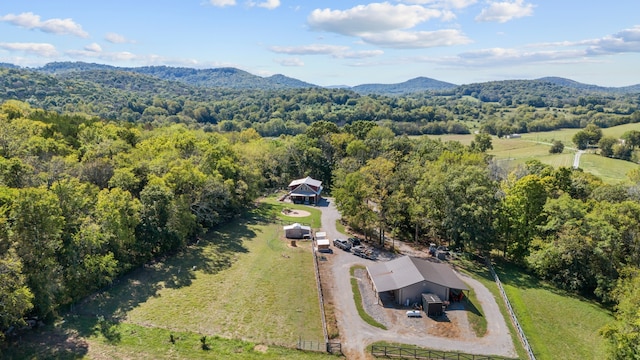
(342, 244)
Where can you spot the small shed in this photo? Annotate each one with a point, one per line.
(432, 304)
(297, 231)
(323, 245)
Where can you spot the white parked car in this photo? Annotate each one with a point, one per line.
(414, 313)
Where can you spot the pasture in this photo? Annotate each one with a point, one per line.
(558, 325)
(242, 286)
(535, 146)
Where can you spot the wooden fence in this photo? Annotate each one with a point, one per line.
(414, 353)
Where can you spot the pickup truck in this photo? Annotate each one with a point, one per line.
(342, 244)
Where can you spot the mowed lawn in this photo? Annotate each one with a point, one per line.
(244, 281)
(558, 325)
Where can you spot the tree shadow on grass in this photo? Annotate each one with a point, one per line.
(100, 313)
(212, 253)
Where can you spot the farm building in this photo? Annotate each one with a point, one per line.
(305, 191)
(297, 231)
(406, 278)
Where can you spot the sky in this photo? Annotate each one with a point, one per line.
(337, 42)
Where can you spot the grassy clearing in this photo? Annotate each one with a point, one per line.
(313, 220)
(242, 281)
(476, 317)
(480, 272)
(513, 152)
(267, 293)
(357, 298)
(557, 324)
(611, 171)
(130, 341)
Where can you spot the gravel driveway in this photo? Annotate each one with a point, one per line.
(355, 334)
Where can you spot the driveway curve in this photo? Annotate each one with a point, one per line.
(355, 334)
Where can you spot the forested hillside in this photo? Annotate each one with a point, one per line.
(230, 100)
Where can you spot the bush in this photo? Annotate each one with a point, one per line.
(557, 147)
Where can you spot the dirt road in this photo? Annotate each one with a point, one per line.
(355, 334)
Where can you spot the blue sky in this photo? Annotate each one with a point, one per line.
(335, 42)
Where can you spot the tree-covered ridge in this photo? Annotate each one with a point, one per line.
(498, 108)
(225, 77)
(419, 84)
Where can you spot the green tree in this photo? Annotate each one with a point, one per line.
(623, 335)
(459, 199)
(36, 233)
(520, 215)
(16, 300)
(557, 147)
(352, 193)
(632, 138)
(481, 143)
(590, 135)
(606, 145)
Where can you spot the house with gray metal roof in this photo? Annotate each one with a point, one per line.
(406, 278)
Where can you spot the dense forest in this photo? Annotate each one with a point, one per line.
(233, 100)
(97, 179)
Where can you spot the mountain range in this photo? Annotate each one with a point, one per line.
(233, 78)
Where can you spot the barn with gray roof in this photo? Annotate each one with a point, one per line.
(407, 278)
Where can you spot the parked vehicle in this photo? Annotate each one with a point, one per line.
(363, 252)
(354, 241)
(432, 249)
(342, 244)
(414, 313)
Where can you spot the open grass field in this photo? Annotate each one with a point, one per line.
(512, 152)
(558, 325)
(243, 281)
(611, 171)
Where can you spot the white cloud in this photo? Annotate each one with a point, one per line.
(445, 4)
(387, 25)
(625, 41)
(30, 20)
(222, 3)
(562, 52)
(374, 17)
(95, 47)
(313, 49)
(416, 39)
(335, 51)
(267, 4)
(290, 62)
(117, 38)
(38, 49)
(363, 54)
(505, 11)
